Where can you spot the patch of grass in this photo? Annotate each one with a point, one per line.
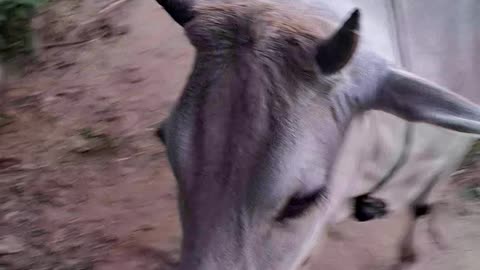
(471, 193)
(88, 133)
(90, 141)
(472, 156)
(15, 26)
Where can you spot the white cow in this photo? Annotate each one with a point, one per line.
(287, 116)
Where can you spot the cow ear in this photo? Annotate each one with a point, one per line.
(418, 100)
(335, 53)
(180, 10)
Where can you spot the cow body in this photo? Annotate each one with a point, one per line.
(376, 139)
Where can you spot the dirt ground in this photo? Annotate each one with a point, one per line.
(84, 184)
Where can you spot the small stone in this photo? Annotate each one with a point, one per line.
(8, 205)
(10, 216)
(146, 228)
(131, 75)
(79, 144)
(91, 142)
(6, 163)
(6, 120)
(18, 188)
(10, 245)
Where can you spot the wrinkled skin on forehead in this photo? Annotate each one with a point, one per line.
(256, 132)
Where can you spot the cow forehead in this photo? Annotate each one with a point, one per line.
(258, 20)
(266, 169)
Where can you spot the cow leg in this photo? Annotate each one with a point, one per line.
(366, 207)
(435, 234)
(418, 208)
(402, 159)
(407, 251)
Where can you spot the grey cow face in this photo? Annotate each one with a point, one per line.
(253, 139)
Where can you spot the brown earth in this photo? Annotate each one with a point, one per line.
(84, 184)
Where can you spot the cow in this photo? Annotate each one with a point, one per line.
(286, 117)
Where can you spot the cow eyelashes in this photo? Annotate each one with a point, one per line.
(300, 203)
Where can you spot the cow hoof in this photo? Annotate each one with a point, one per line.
(367, 208)
(434, 226)
(404, 263)
(421, 210)
(408, 257)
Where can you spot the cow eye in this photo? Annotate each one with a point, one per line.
(298, 204)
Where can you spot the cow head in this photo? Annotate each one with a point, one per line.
(256, 132)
